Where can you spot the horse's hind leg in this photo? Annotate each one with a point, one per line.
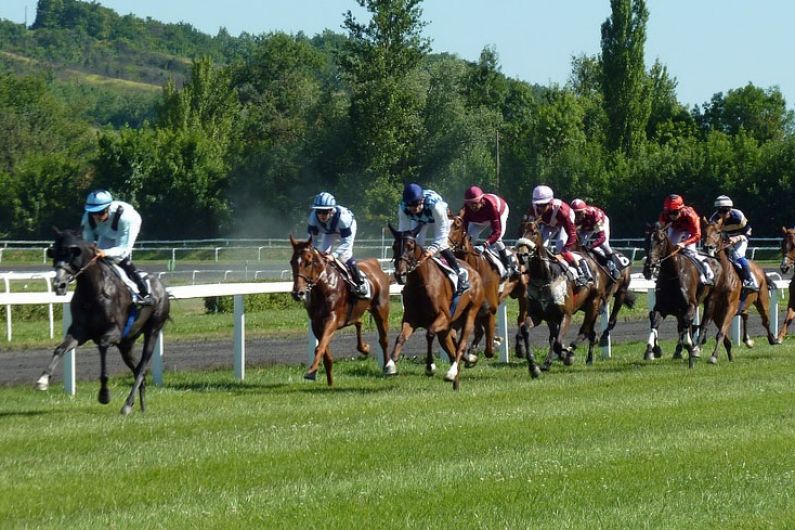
(324, 335)
(653, 350)
(785, 326)
(762, 304)
(430, 366)
(381, 317)
(140, 372)
(328, 364)
(69, 343)
(361, 346)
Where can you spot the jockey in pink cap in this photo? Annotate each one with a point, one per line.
(486, 210)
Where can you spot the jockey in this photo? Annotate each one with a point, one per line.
(593, 231)
(486, 210)
(329, 222)
(684, 230)
(428, 209)
(114, 226)
(737, 230)
(557, 221)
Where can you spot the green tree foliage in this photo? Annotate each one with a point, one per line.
(624, 82)
(761, 113)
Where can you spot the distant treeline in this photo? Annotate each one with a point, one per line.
(232, 136)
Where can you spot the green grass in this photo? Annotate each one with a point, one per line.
(624, 444)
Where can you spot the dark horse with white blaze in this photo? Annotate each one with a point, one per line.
(554, 298)
(429, 302)
(787, 259)
(320, 284)
(679, 292)
(103, 311)
(715, 244)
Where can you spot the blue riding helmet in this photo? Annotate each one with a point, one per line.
(323, 201)
(98, 200)
(412, 193)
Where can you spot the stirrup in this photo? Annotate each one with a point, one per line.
(359, 290)
(750, 285)
(145, 300)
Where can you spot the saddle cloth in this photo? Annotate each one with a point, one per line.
(346, 275)
(131, 286)
(449, 272)
(495, 261)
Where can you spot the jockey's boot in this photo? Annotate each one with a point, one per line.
(749, 281)
(612, 267)
(585, 277)
(510, 266)
(463, 282)
(144, 296)
(360, 287)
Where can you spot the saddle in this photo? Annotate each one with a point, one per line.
(449, 271)
(701, 267)
(128, 282)
(494, 260)
(346, 276)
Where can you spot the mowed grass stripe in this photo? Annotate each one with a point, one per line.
(621, 444)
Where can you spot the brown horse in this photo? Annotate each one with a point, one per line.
(321, 285)
(679, 292)
(553, 297)
(495, 289)
(787, 259)
(429, 302)
(715, 244)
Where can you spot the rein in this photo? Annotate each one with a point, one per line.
(311, 281)
(81, 270)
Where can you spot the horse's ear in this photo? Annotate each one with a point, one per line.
(292, 241)
(784, 230)
(461, 212)
(416, 230)
(56, 230)
(395, 233)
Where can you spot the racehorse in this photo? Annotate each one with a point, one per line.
(787, 259)
(553, 297)
(321, 285)
(429, 302)
(679, 292)
(715, 244)
(461, 245)
(103, 311)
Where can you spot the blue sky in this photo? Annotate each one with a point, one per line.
(709, 46)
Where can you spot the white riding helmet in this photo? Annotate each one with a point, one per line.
(542, 195)
(723, 201)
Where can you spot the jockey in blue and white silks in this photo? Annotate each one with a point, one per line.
(114, 227)
(428, 209)
(737, 230)
(330, 222)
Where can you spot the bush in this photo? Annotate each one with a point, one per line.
(251, 303)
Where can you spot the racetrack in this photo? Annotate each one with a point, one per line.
(20, 367)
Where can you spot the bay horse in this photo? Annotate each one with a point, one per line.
(319, 283)
(787, 259)
(429, 302)
(103, 311)
(495, 289)
(553, 298)
(715, 244)
(679, 292)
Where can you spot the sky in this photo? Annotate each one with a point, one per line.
(709, 46)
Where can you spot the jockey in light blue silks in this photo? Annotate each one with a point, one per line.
(737, 230)
(329, 222)
(427, 208)
(114, 227)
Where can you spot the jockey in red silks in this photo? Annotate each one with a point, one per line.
(557, 222)
(684, 231)
(593, 231)
(486, 210)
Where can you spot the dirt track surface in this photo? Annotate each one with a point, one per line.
(21, 367)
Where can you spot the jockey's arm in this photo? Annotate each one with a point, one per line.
(127, 234)
(440, 228)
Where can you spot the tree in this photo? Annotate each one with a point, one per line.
(378, 62)
(762, 113)
(624, 85)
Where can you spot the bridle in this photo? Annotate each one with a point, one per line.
(411, 260)
(68, 268)
(316, 262)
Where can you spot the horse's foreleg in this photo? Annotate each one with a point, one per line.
(785, 326)
(746, 339)
(325, 334)
(69, 343)
(491, 328)
(381, 317)
(653, 350)
(406, 331)
(430, 366)
(361, 346)
(104, 392)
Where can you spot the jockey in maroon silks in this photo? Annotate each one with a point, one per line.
(557, 221)
(487, 210)
(593, 231)
(684, 231)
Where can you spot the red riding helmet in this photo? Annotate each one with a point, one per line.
(473, 194)
(578, 205)
(673, 203)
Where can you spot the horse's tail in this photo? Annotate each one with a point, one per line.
(629, 299)
(771, 283)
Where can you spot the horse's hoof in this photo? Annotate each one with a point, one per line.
(310, 376)
(713, 360)
(104, 396)
(677, 355)
(126, 409)
(430, 370)
(604, 340)
(390, 368)
(43, 383)
(470, 360)
(535, 372)
(364, 352)
(488, 354)
(452, 373)
(749, 343)
(545, 367)
(588, 362)
(568, 360)
(657, 352)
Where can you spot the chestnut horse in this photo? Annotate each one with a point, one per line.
(429, 302)
(461, 245)
(320, 284)
(553, 297)
(103, 311)
(714, 243)
(679, 292)
(787, 259)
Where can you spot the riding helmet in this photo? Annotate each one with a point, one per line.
(412, 193)
(98, 200)
(323, 201)
(723, 201)
(542, 195)
(578, 205)
(673, 202)
(473, 194)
